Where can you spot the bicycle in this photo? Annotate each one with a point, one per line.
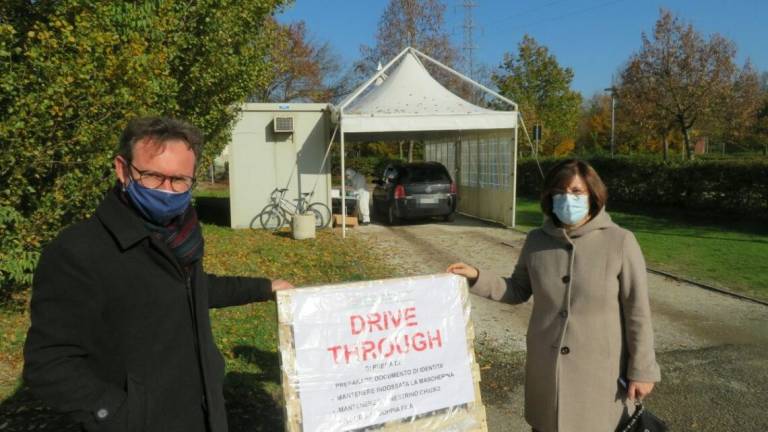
(280, 211)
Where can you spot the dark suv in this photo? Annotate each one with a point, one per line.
(414, 190)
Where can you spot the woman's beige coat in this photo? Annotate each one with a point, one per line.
(591, 323)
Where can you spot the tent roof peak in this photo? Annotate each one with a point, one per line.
(410, 54)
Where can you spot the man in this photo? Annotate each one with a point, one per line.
(120, 336)
(358, 183)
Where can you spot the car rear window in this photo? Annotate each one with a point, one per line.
(426, 173)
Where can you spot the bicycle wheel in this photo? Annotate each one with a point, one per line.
(325, 214)
(318, 217)
(271, 217)
(255, 222)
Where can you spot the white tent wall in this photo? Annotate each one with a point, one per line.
(262, 160)
(403, 98)
(481, 163)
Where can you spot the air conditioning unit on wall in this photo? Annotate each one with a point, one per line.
(283, 124)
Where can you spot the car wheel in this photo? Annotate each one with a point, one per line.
(392, 218)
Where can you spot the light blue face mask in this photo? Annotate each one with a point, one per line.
(570, 208)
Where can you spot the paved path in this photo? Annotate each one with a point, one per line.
(713, 349)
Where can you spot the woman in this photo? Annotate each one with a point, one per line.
(590, 329)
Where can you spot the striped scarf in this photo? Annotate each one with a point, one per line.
(182, 235)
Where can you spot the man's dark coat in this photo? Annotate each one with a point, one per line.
(120, 335)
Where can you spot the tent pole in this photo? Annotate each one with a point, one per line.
(514, 180)
(343, 183)
(325, 158)
(530, 143)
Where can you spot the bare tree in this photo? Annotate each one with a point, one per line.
(761, 123)
(737, 115)
(302, 69)
(640, 120)
(416, 23)
(682, 75)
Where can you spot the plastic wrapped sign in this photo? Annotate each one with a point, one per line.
(395, 354)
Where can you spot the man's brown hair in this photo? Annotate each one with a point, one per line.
(159, 130)
(560, 175)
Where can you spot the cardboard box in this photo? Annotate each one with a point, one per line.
(351, 221)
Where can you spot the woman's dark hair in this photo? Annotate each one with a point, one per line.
(560, 175)
(160, 130)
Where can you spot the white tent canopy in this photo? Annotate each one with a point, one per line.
(410, 99)
(404, 99)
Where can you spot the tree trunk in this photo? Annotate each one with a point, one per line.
(401, 150)
(666, 148)
(410, 151)
(686, 139)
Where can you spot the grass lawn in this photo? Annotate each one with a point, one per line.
(730, 255)
(207, 190)
(247, 335)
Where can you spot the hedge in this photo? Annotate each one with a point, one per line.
(722, 187)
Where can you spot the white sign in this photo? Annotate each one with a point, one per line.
(369, 353)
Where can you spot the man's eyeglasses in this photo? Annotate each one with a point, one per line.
(153, 180)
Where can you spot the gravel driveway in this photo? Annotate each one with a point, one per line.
(713, 349)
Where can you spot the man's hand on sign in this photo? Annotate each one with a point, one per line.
(279, 284)
(465, 270)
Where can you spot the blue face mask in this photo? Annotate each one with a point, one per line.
(159, 206)
(569, 208)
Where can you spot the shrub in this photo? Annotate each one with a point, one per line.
(17, 261)
(73, 72)
(728, 187)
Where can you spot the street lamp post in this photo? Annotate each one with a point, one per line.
(613, 117)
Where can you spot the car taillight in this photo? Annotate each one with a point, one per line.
(399, 191)
(453, 187)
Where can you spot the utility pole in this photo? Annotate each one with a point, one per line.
(469, 41)
(612, 89)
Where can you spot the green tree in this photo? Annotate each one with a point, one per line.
(219, 56)
(542, 88)
(71, 74)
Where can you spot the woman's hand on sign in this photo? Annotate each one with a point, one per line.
(465, 270)
(639, 390)
(279, 284)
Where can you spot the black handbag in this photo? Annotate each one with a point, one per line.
(643, 421)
